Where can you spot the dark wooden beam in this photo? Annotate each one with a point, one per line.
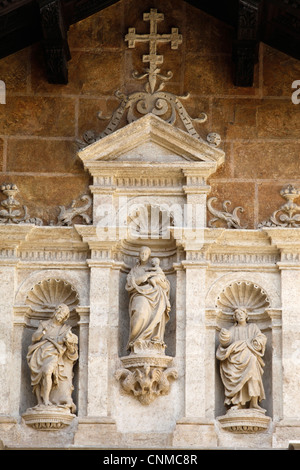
(55, 41)
(274, 22)
(19, 26)
(245, 45)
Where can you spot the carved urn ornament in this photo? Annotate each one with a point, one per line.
(146, 373)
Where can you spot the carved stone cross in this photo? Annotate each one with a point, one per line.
(153, 38)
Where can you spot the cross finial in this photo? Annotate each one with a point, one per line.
(154, 39)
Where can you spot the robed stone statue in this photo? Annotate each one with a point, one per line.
(240, 353)
(149, 303)
(51, 357)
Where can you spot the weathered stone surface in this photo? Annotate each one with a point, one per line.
(279, 72)
(266, 160)
(40, 116)
(50, 156)
(14, 71)
(155, 165)
(278, 119)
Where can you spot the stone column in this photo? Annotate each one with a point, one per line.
(195, 268)
(277, 373)
(96, 427)
(100, 264)
(100, 282)
(288, 243)
(21, 321)
(290, 288)
(7, 372)
(11, 236)
(180, 316)
(210, 361)
(84, 313)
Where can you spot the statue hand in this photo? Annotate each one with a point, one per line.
(224, 336)
(255, 344)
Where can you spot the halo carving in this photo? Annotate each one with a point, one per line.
(243, 294)
(48, 294)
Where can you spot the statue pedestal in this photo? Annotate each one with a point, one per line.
(244, 421)
(48, 418)
(146, 376)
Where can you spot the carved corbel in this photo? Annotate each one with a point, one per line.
(245, 46)
(55, 41)
(146, 378)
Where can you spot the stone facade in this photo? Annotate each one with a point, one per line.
(211, 195)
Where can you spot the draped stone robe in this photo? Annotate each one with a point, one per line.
(54, 351)
(149, 306)
(241, 364)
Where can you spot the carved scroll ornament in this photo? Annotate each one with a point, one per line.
(10, 213)
(231, 220)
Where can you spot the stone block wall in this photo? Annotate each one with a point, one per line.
(40, 123)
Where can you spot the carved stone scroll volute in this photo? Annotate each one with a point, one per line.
(146, 377)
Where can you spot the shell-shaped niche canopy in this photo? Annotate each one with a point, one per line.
(243, 294)
(48, 294)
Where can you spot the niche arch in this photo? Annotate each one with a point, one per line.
(38, 277)
(36, 299)
(255, 278)
(260, 296)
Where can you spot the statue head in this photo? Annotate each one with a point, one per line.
(62, 313)
(240, 314)
(145, 253)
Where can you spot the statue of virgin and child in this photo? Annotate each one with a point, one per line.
(149, 303)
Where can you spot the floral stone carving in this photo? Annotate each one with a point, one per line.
(146, 373)
(11, 212)
(288, 215)
(240, 353)
(66, 215)
(232, 220)
(51, 357)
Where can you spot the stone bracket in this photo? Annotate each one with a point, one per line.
(146, 377)
(244, 421)
(48, 418)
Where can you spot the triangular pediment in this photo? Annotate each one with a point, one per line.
(150, 139)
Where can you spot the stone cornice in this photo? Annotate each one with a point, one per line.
(285, 239)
